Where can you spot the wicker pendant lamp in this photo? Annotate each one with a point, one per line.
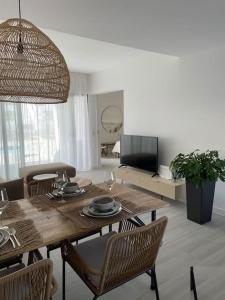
(32, 69)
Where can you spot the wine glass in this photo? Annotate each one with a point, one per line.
(4, 201)
(110, 180)
(61, 179)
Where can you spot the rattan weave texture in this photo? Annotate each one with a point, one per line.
(32, 69)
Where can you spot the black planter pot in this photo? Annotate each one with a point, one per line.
(200, 201)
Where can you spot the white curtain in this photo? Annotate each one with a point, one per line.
(33, 134)
(74, 133)
(94, 131)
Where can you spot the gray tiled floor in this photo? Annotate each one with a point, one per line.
(185, 244)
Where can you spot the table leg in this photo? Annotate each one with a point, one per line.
(153, 215)
(139, 221)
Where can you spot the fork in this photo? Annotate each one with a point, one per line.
(127, 210)
(122, 206)
(81, 214)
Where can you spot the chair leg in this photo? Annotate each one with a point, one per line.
(154, 279)
(63, 279)
(152, 286)
(48, 253)
(100, 232)
(192, 283)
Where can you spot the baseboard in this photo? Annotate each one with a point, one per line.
(219, 211)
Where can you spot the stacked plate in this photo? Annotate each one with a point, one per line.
(70, 189)
(102, 207)
(4, 237)
(58, 193)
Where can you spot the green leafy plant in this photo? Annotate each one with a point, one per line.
(197, 167)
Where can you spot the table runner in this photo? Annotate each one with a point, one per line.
(26, 233)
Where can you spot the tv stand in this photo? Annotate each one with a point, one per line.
(151, 182)
(155, 174)
(122, 166)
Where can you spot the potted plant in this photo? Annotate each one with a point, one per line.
(201, 171)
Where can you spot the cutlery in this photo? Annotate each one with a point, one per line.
(12, 241)
(12, 232)
(81, 214)
(49, 195)
(126, 209)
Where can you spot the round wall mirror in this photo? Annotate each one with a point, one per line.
(112, 119)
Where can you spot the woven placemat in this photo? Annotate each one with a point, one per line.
(13, 210)
(89, 222)
(74, 212)
(26, 233)
(44, 202)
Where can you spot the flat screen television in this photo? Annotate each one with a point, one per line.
(139, 152)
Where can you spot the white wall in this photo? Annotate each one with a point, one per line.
(180, 100)
(105, 100)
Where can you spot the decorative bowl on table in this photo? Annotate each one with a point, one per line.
(103, 203)
(70, 187)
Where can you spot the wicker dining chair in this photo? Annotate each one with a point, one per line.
(40, 187)
(106, 262)
(15, 191)
(33, 282)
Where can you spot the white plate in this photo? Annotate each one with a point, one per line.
(5, 238)
(87, 210)
(112, 211)
(45, 176)
(58, 194)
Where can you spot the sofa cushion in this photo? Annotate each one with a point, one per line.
(29, 172)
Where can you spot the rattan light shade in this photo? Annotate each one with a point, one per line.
(38, 73)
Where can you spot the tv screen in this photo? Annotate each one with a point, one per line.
(139, 152)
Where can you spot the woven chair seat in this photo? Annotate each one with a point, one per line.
(93, 253)
(57, 245)
(11, 261)
(11, 270)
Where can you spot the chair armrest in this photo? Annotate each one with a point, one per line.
(70, 255)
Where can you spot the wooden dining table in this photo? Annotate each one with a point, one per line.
(43, 220)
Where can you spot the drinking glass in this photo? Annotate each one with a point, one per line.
(61, 179)
(4, 200)
(110, 180)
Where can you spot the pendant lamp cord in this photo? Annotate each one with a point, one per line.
(19, 11)
(20, 45)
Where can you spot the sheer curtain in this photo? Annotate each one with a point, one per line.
(33, 134)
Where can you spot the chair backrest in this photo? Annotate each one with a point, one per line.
(131, 253)
(32, 282)
(14, 188)
(40, 187)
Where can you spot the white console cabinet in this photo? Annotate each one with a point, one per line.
(164, 187)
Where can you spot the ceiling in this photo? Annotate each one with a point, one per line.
(88, 55)
(175, 27)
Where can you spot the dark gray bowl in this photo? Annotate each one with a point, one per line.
(71, 187)
(103, 203)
